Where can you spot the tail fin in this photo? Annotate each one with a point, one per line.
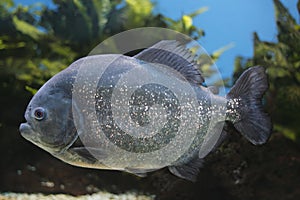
(254, 124)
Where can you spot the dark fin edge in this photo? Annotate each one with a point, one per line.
(188, 171)
(172, 54)
(255, 124)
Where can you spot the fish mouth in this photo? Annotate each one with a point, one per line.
(29, 134)
(26, 131)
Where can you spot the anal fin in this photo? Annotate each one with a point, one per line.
(188, 171)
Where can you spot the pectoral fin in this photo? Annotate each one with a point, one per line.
(87, 157)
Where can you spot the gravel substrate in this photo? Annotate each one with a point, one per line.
(96, 196)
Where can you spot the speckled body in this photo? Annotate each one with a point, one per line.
(107, 121)
(209, 106)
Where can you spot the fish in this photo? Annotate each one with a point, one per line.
(143, 113)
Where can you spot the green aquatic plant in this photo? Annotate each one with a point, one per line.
(38, 41)
(282, 60)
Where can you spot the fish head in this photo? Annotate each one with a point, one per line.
(49, 119)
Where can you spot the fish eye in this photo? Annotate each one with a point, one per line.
(39, 113)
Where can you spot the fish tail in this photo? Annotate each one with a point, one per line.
(246, 108)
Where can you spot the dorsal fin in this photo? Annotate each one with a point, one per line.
(171, 53)
(213, 89)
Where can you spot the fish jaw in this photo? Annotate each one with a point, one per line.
(27, 132)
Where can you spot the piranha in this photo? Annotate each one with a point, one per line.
(184, 121)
